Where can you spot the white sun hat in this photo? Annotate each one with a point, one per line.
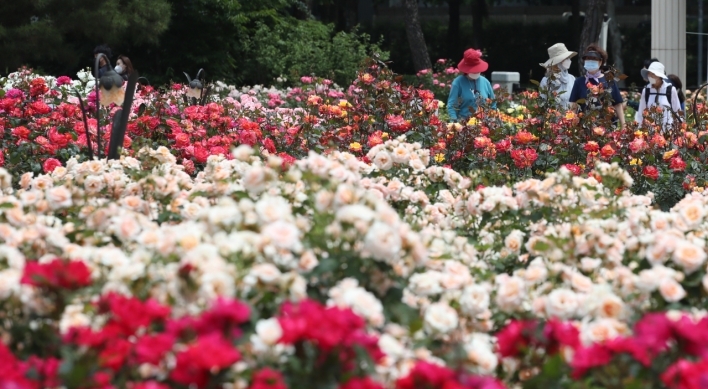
(657, 69)
(557, 54)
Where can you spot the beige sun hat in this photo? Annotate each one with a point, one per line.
(557, 54)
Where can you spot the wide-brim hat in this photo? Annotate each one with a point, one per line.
(657, 69)
(472, 62)
(557, 54)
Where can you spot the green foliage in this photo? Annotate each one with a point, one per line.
(306, 48)
(59, 35)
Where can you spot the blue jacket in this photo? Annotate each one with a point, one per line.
(463, 96)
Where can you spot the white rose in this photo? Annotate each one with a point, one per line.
(269, 331)
(59, 197)
(510, 293)
(440, 318)
(474, 300)
(266, 273)
(283, 235)
(562, 303)
(382, 242)
(426, 284)
(383, 160)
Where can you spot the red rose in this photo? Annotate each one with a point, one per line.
(208, 355)
(201, 154)
(481, 142)
(575, 169)
(50, 164)
(21, 132)
(585, 358)
(607, 151)
(2, 158)
(677, 164)
(63, 80)
(513, 337)
(651, 172)
(503, 145)
(524, 158)
(57, 274)
(591, 147)
(269, 145)
(182, 140)
(267, 378)
(361, 383)
(151, 349)
(147, 385)
(524, 137)
(426, 375)
(115, 354)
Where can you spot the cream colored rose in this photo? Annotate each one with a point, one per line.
(562, 303)
(382, 242)
(440, 318)
(383, 160)
(689, 256)
(59, 197)
(400, 155)
(73, 316)
(474, 300)
(510, 293)
(692, 213)
(266, 273)
(269, 331)
(514, 241)
(671, 290)
(426, 284)
(283, 235)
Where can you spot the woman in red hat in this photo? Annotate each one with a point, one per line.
(471, 88)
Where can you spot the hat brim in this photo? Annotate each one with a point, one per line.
(645, 74)
(479, 68)
(558, 59)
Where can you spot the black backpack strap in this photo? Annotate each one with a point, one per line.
(647, 91)
(669, 88)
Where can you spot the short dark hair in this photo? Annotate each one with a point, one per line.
(103, 49)
(596, 48)
(648, 62)
(676, 82)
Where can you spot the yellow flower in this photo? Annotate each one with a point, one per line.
(669, 154)
(439, 157)
(520, 108)
(569, 115)
(344, 104)
(638, 133)
(520, 117)
(472, 122)
(454, 126)
(356, 146)
(441, 104)
(510, 110)
(384, 135)
(636, 161)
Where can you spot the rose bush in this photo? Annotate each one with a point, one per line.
(338, 238)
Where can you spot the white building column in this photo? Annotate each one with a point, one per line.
(668, 35)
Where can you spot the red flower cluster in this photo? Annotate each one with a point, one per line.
(524, 158)
(15, 373)
(333, 330)
(518, 335)
(426, 375)
(57, 274)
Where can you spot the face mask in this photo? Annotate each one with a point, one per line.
(473, 76)
(565, 65)
(592, 66)
(119, 69)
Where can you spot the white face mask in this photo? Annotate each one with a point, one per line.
(473, 76)
(565, 65)
(653, 80)
(119, 69)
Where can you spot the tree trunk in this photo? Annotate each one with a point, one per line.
(575, 23)
(453, 29)
(592, 25)
(416, 40)
(615, 40)
(479, 13)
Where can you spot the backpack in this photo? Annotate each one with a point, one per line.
(666, 93)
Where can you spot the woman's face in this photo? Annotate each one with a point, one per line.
(120, 63)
